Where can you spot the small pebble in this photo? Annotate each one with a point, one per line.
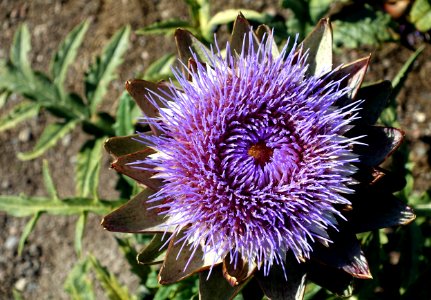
(24, 135)
(11, 242)
(20, 284)
(420, 117)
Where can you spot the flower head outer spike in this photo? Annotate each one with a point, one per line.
(261, 165)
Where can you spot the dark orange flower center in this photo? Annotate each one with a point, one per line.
(261, 153)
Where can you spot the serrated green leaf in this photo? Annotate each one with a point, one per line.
(22, 206)
(364, 26)
(103, 70)
(79, 232)
(4, 95)
(88, 167)
(49, 137)
(112, 288)
(78, 283)
(164, 27)
(66, 53)
(124, 118)
(19, 113)
(420, 15)
(47, 180)
(19, 51)
(27, 230)
(160, 69)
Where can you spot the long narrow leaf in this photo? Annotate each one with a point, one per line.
(19, 51)
(49, 183)
(113, 289)
(165, 27)
(124, 119)
(66, 53)
(22, 206)
(88, 167)
(160, 69)
(102, 71)
(79, 232)
(49, 138)
(19, 113)
(27, 230)
(400, 78)
(78, 283)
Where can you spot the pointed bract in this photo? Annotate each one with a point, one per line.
(238, 270)
(153, 253)
(136, 216)
(182, 261)
(319, 46)
(132, 165)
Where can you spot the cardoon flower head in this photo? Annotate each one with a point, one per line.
(258, 162)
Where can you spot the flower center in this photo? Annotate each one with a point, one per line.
(261, 153)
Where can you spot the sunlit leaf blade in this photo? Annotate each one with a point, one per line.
(66, 53)
(154, 249)
(387, 210)
(88, 167)
(111, 286)
(122, 145)
(215, 286)
(27, 230)
(19, 113)
(79, 232)
(4, 95)
(275, 286)
(379, 143)
(48, 182)
(183, 260)
(164, 27)
(22, 206)
(124, 118)
(319, 46)
(240, 39)
(51, 134)
(19, 51)
(420, 15)
(136, 216)
(78, 282)
(230, 15)
(160, 69)
(186, 43)
(103, 70)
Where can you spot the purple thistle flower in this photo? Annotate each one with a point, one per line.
(259, 164)
(252, 155)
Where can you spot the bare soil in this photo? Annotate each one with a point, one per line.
(49, 255)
